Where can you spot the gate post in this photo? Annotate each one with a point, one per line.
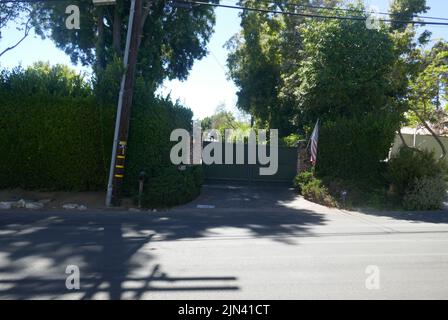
(303, 159)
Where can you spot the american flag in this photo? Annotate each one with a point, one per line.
(314, 141)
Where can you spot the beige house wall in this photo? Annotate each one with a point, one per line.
(421, 142)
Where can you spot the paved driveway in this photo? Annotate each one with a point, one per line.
(234, 242)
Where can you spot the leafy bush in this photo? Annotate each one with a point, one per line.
(427, 193)
(291, 140)
(172, 187)
(353, 149)
(302, 179)
(313, 189)
(418, 179)
(411, 164)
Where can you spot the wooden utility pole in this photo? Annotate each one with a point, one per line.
(118, 160)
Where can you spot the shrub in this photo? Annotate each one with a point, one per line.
(302, 179)
(427, 193)
(172, 187)
(315, 191)
(417, 179)
(411, 164)
(312, 189)
(291, 140)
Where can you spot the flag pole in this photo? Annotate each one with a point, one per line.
(314, 141)
(309, 140)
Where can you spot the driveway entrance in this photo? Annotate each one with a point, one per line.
(287, 167)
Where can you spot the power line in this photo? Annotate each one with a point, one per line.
(309, 15)
(344, 9)
(289, 13)
(218, 62)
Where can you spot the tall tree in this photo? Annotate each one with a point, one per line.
(265, 48)
(267, 56)
(344, 70)
(172, 37)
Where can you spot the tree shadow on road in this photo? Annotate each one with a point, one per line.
(115, 250)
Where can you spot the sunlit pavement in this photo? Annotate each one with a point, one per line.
(246, 243)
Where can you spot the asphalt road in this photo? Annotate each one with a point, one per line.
(246, 243)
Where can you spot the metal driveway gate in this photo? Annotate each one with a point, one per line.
(287, 167)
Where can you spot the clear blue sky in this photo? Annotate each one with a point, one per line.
(207, 85)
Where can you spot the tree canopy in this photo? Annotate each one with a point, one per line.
(260, 54)
(428, 90)
(344, 70)
(172, 38)
(290, 70)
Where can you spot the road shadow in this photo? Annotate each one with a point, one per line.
(115, 250)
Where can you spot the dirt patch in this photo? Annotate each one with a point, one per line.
(55, 200)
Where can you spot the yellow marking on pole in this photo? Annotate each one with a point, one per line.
(120, 157)
(119, 176)
(119, 167)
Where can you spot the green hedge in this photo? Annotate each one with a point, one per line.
(49, 131)
(171, 187)
(149, 139)
(57, 135)
(354, 148)
(50, 143)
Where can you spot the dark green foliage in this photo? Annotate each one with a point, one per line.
(172, 187)
(56, 135)
(149, 138)
(410, 166)
(198, 175)
(345, 72)
(258, 58)
(50, 143)
(50, 134)
(172, 38)
(354, 148)
(152, 120)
